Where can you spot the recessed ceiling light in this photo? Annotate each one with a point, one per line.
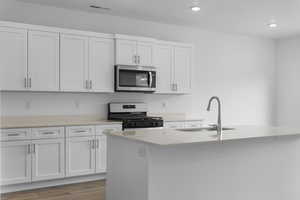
(272, 25)
(195, 8)
(99, 7)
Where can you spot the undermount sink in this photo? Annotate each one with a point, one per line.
(205, 129)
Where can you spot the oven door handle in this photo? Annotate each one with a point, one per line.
(150, 79)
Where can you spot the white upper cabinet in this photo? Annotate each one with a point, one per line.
(38, 58)
(174, 65)
(126, 52)
(101, 64)
(134, 50)
(43, 61)
(74, 63)
(164, 62)
(13, 59)
(182, 68)
(145, 53)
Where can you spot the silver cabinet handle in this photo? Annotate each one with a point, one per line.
(86, 84)
(91, 144)
(33, 145)
(29, 82)
(80, 131)
(150, 79)
(25, 82)
(13, 134)
(134, 59)
(173, 85)
(48, 133)
(91, 84)
(139, 59)
(97, 142)
(28, 148)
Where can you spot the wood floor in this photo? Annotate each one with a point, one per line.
(94, 190)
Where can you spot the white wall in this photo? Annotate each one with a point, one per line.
(239, 69)
(288, 81)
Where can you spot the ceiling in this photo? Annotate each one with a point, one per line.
(249, 17)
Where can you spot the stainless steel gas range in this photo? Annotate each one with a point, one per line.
(133, 116)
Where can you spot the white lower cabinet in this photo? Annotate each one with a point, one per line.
(80, 156)
(15, 162)
(48, 159)
(101, 154)
(39, 154)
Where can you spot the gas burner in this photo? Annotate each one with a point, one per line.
(133, 115)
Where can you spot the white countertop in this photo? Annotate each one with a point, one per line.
(172, 137)
(51, 121)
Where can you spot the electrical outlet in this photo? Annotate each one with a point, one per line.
(27, 105)
(77, 104)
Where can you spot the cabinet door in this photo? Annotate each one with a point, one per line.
(101, 154)
(145, 53)
(80, 156)
(182, 68)
(126, 52)
(163, 62)
(73, 62)
(101, 64)
(13, 58)
(15, 162)
(43, 61)
(48, 159)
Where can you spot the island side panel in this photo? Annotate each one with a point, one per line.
(127, 170)
(260, 169)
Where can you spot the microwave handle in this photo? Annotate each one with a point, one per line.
(150, 79)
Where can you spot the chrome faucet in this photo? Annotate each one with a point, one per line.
(219, 125)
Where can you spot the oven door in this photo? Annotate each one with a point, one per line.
(135, 78)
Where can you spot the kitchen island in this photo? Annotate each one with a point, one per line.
(247, 163)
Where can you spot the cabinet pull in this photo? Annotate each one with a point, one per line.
(134, 59)
(91, 84)
(97, 143)
(13, 134)
(139, 59)
(29, 82)
(86, 84)
(33, 148)
(173, 87)
(91, 143)
(80, 131)
(48, 133)
(28, 148)
(25, 82)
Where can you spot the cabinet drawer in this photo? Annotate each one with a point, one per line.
(193, 124)
(15, 134)
(174, 125)
(78, 131)
(104, 128)
(48, 132)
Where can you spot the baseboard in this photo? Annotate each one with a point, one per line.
(50, 183)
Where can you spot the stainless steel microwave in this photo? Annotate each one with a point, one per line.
(135, 78)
